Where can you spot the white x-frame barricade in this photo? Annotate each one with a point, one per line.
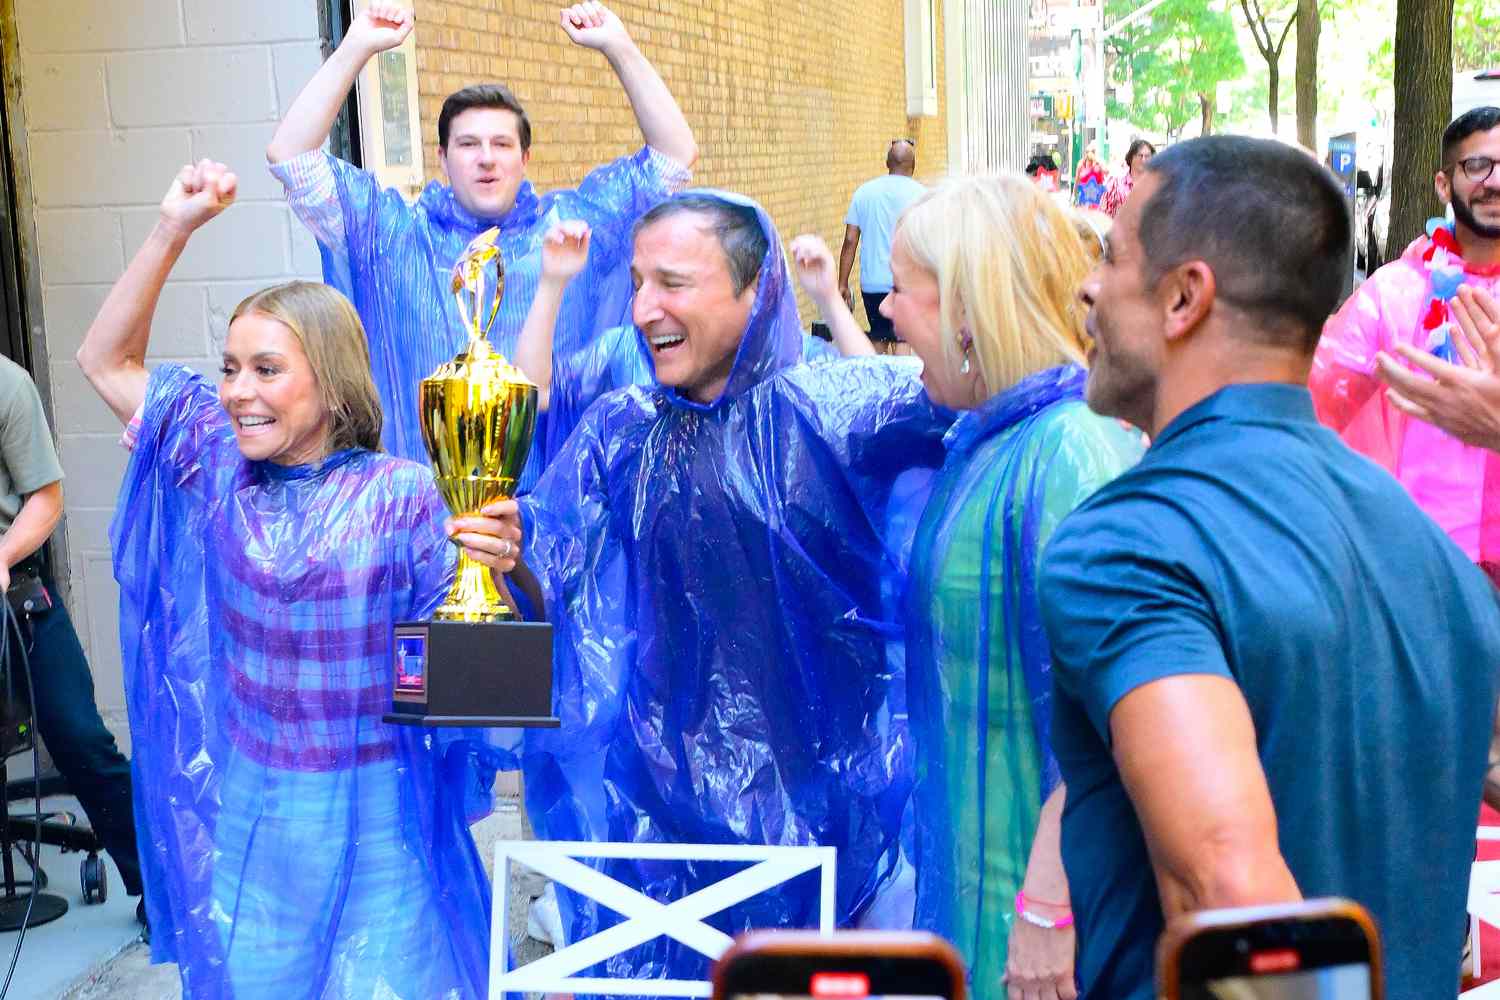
(1484, 908)
(646, 918)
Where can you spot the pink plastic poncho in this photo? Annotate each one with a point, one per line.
(1457, 484)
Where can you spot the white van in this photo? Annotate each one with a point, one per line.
(1475, 89)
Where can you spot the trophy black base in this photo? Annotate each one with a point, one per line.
(477, 721)
(473, 674)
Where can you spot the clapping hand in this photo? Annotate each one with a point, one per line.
(198, 193)
(1462, 399)
(1477, 336)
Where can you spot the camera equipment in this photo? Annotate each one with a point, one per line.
(13, 649)
(20, 910)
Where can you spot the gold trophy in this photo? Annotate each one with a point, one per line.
(474, 664)
(478, 414)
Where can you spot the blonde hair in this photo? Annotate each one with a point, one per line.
(1092, 226)
(1008, 264)
(333, 338)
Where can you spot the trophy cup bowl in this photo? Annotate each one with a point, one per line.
(478, 414)
(474, 664)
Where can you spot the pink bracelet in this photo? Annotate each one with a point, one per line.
(1037, 920)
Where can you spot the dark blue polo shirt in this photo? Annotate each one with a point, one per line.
(1252, 544)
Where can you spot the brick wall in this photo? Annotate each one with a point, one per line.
(117, 95)
(793, 102)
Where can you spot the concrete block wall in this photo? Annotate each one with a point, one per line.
(117, 95)
(793, 102)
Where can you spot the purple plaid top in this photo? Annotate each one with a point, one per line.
(312, 565)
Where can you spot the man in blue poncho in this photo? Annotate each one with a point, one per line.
(617, 358)
(715, 551)
(393, 259)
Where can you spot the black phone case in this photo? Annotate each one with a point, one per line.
(28, 595)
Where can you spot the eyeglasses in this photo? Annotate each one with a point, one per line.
(909, 142)
(1475, 168)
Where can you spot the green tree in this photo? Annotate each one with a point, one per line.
(1423, 104)
(1270, 22)
(1476, 35)
(1309, 27)
(1173, 62)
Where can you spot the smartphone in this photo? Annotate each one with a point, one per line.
(1319, 949)
(853, 965)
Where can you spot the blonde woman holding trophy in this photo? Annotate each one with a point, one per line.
(293, 844)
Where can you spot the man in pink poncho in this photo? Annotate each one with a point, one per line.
(1414, 302)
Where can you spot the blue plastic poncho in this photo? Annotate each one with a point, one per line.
(978, 663)
(395, 260)
(725, 649)
(616, 359)
(292, 843)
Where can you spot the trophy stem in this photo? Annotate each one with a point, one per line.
(473, 597)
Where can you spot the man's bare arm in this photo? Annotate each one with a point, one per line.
(662, 122)
(31, 528)
(846, 261)
(1186, 749)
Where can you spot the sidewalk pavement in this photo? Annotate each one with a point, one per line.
(118, 967)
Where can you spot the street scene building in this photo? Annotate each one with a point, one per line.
(892, 608)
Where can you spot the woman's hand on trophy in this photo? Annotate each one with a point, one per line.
(379, 27)
(492, 537)
(565, 249)
(199, 192)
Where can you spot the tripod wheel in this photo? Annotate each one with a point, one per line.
(95, 879)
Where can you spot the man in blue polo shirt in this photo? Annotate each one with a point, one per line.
(873, 212)
(1275, 675)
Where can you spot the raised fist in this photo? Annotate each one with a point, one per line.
(379, 27)
(198, 193)
(565, 249)
(813, 262)
(594, 26)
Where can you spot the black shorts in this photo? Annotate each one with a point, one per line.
(880, 327)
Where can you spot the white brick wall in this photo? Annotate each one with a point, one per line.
(117, 95)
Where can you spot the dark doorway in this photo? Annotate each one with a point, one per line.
(333, 21)
(14, 343)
